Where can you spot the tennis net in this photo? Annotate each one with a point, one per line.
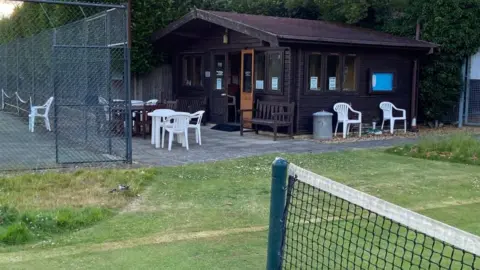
(327, 225)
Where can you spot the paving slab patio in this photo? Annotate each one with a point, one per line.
(220, 145)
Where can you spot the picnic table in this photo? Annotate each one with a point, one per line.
(138, 108)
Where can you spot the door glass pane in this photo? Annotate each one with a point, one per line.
(197, 72)
(349, 73)
(247, 73)
(219, 72)
(275, 71)
(260, 71)
(333, 72)
(315, 71)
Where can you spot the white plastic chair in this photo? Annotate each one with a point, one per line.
(34, 112)
(197, 126)
(151, 102)
(342, 110)
(104, 102)
(387, 108)
(232, 101)
(158, 123)
(176, 124)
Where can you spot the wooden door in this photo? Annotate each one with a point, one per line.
(247, 85)
(218, 104)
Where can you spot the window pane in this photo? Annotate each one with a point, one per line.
(315, 71)
(275, 71)
(197, 73)
(247, 72)
(187, 70)
(192, 70)
(333, 72)
(219, 72)
(349, 73)
(260, 71)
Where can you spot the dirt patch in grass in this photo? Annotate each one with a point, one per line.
(81, 188)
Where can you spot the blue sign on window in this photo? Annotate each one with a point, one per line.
(382, 81)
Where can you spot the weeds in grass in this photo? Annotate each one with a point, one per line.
(77, 189)
(36, 225)
(38, 206)
(460, 148)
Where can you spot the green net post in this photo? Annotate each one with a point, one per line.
(277, 205)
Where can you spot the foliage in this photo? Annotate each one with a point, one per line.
(454, 26)
(458, 148)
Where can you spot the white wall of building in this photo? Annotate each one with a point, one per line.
(475, 66)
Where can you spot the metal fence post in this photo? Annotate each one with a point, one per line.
(277, 206)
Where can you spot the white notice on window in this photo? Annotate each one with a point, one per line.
(259, 84)
(274, 83)
(207, 74)
(332, 83)
(313, 83)
(219, 84)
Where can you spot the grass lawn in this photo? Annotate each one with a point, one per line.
(215, 216)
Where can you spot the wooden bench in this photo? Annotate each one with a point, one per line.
(271, 114)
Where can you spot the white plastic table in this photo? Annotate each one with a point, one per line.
(158, 117)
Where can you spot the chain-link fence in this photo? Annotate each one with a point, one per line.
(64, 80)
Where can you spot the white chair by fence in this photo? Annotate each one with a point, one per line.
(102, 101)
(388, 108)
(176, 124)
(342, 110)
(35, 112)
(197, 126)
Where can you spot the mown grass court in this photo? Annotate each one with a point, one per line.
(215, 216)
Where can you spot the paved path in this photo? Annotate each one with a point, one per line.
(218, 145)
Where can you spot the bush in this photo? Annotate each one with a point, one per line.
(15, 234)
(8, 215)
(461, 148)
(20, 228)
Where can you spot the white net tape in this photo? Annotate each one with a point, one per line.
(456, 237)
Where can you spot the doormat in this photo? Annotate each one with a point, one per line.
(226, 127)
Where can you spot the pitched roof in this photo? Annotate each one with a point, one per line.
(278, 29)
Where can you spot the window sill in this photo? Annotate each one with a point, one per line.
(269, 92)
(374, 93)
(330, 93)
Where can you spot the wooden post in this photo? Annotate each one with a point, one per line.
(414, 104)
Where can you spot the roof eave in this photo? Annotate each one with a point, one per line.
(192, 15)
(423, 45)
(218, 20)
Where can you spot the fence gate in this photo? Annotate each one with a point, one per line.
(77, 53)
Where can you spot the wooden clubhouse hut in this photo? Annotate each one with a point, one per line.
(314, 64)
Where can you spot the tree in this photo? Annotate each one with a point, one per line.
(454, 26)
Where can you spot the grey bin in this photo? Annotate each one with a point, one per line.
(322, 125)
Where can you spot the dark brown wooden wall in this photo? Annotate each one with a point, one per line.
(361, 100)
(212, 41)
